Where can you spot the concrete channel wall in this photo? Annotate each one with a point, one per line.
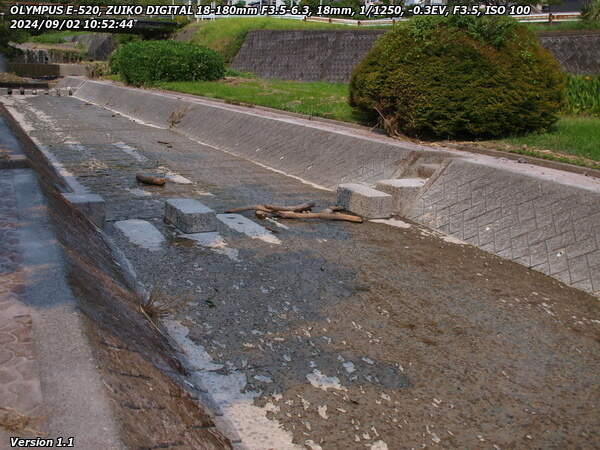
(543, 218)
(331, 55)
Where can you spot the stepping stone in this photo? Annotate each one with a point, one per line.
(364, 201)
(141, 233)
(403, 190)
(92, 205)
(190, 216)
(4, 91)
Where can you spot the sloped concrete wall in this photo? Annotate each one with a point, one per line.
(542, 218)
(578, 53)
(314, 55)
(331, 55)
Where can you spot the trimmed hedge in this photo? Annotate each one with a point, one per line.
(146, 62)
(459, 77)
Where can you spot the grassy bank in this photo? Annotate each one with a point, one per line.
(321, 99)
(226, 36)
(575, 136)
(55, 38)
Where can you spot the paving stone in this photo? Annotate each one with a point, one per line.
(190, 216)
(364, 201)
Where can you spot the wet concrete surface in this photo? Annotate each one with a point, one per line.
(355, 336)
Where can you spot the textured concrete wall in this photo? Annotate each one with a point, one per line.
(331, 55)
(543, 218)
(578, 53)
(545, 225)
(304, 55)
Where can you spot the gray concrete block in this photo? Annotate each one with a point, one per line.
(14, 162)
(364, 201)
(53, 92)
(404, 191)
(92, 205)
(28, 92)
(190, 216)
(3, 91)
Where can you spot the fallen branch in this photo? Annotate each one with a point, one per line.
(150, 179)
(319, 215)
(273, 208)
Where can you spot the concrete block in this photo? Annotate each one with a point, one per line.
(403, 191)
(3, 91)
(92, 205)
(426, 170)
(190, 216)
(14, 162)
(364, 201)
(27, 92)
(53, 92)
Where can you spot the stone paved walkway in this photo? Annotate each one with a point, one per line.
(20, 391)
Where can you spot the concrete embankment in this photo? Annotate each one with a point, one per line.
(543, 218)
(331, 55)
(109, 376)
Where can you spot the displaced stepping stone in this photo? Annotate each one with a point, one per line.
(190, 216)
(364, 201)
(403, 191)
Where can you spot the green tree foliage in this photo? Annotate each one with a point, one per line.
(459, 77)
(146, 62)
(591, 12)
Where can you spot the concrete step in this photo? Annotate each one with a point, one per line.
(425, 170)
(403, 192)
(364, 201)
(190, 216)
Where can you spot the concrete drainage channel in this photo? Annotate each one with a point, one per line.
(296, 295)
(545, 219)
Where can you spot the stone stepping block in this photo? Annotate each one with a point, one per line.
(364, 201)
(190, 216)
(403, 190)
(92, 205)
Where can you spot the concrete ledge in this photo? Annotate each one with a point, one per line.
(14, 162)
(190, 216)
(403, 191)
(92, 205)
(364, 201)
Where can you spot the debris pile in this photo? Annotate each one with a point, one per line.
(302, 211)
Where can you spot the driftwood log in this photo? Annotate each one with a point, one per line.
(302, 211)
(272, 208)
(318, 215)
(150, 179)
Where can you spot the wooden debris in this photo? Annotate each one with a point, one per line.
(302, 211)
(319, 215)
(272, 208)
(150, 179)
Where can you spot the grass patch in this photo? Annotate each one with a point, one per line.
(318, 98)
(583, 95)
(226, 36)
(571, 136)
(55, 38)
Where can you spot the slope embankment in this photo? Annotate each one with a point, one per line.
(543, 218)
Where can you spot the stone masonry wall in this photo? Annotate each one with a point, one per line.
(331, 55)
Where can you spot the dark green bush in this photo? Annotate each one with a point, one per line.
(459, 77)
(146, 62)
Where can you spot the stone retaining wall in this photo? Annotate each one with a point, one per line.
(331, 55)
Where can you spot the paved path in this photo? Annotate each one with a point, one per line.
(338, 335)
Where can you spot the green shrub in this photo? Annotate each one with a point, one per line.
(459, 77)
(591, 11)
(583, 95)
(146, 62)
